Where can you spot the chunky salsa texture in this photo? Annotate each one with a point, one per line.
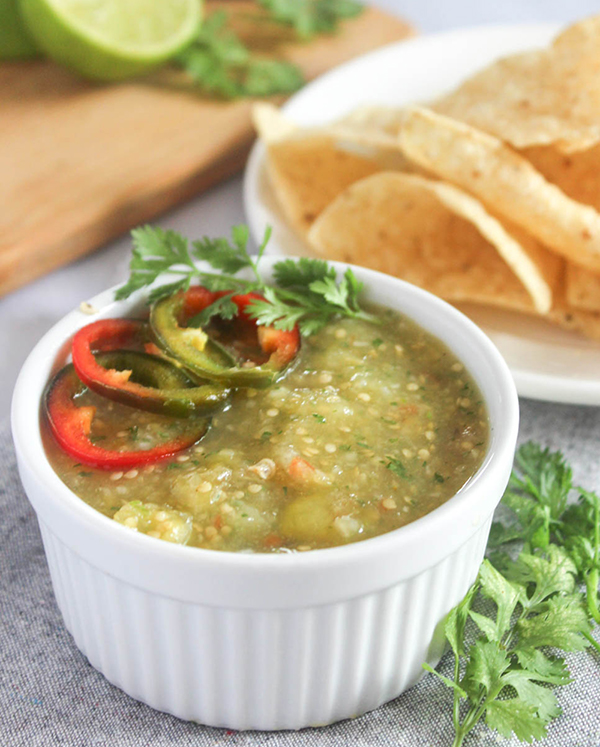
(373, 426)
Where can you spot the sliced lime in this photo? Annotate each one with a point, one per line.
(15, 42)
(111, 39)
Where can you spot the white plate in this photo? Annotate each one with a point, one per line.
(547, 363)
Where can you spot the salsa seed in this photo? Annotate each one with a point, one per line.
(345, 429)
(364, 397)
(183, 458)
(330, 448)
(399, 349)
(120, 434)
(254, 488)
(467, 445)
(273, 412)
(301, 431)
(457, 367)
(308, 440)
(210, 533)
(325, 378)
(412, 387)
(154, 534)
(121, 490)
(150, 468)
(423, 454)
(131, 474)
(251, 392)
(226, 509)
(429, 435)
(340, 333)
(311, 451)
(116, 476)
(360, 344)
(161, 516)
(205, 487)
(199, 449)
(388, 503)
(408, 453)
(239, 494)
(131, 521)
(474, 452)
(464, 402)
(305, 548)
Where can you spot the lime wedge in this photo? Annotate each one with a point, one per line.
(111, 39)
(14, 39)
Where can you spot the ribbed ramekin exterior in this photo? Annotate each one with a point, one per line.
(260, 669)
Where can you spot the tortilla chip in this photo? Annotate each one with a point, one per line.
(582, 321)
(435, 236)
(379, 125)
(582, 289)
(270, 124)
(578, 176)
(309, 167)
(308, 173)
(503, 179)
(538, 97)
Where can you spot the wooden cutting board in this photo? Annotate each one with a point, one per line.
(81, 163)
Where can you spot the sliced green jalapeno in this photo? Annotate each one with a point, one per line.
(205, 357)
(148, 382)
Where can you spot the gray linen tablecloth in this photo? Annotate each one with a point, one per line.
(50, 695)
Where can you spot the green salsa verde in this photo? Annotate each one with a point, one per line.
(372, 428)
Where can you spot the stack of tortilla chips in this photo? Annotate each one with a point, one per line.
(489, 195)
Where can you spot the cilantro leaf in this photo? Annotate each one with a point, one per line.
(223, 307)
(505, 594)
(551, 573)
(154, 251)
(560, 623)
(538, 492)
(501, 667)
(219, 63)
(456, 621)
(396, 466)
(515, 716)
(302, 272)
(310, 17)
(291, 302)
(222, 254)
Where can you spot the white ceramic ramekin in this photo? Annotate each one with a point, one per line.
(266, 641)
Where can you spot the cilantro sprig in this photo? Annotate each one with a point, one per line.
(306, 291)
(527, 599)
(538, 497)
(502, 673)
(311, 17)
(219, 63)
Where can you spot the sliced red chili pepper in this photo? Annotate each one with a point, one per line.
(71, 426)
(204, 356)
(138, 379)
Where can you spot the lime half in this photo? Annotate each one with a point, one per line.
(111, 39)
(14, 39)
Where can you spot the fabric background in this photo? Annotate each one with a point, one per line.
(50, 695)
